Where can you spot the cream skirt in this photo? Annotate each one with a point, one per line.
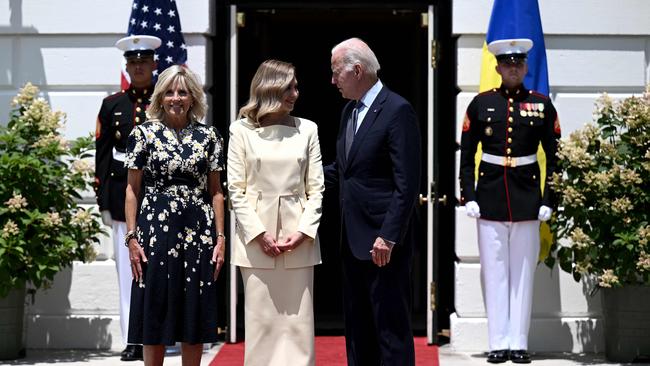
(278, 316)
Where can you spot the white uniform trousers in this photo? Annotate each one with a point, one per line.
(124, 275)
(278, 316)
(508, 253)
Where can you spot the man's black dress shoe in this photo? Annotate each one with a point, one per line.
(519, 356)
(132, 352)
(498, 356)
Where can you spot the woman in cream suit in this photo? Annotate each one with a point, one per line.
(275, 179)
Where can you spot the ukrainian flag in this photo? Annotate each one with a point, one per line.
(516, 19)
(519, 19)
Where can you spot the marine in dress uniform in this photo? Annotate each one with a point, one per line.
(118, 115)
(510, 123)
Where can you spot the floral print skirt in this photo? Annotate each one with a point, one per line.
(177, 300)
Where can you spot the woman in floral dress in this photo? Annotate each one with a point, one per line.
(177, 247)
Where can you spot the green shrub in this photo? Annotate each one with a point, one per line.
(42, 226)
(604, 195)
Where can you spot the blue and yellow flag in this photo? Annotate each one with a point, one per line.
(519, 19)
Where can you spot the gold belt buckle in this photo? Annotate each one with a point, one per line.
(510, 162)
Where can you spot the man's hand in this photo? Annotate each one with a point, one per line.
(268, 244)
(381, 252)
(292, 241)
(106, 217)
(472, 209)
(544, 213)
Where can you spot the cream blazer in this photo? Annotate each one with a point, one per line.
(275, 181)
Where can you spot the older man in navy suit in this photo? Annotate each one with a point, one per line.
(377, 170)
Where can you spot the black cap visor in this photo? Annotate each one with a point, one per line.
(512, 58)
(138, 54)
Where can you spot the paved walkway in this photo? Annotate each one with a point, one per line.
(450, 358)
(447, 358)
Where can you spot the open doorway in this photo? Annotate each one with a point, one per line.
(304, 37)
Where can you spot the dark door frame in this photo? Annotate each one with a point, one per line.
(445, 91)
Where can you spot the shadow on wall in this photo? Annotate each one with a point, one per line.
(23, 63)
(590, 333)
(79, 311)
(566, 317)
(56, 332)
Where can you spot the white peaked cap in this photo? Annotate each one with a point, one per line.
(138, 45)
(510, 46)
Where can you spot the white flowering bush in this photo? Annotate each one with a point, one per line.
(42, 226)
(604, 195)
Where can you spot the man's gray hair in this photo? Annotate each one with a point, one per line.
(356, 51)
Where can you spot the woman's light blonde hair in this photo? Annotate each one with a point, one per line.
(271, 80)
(188, 80)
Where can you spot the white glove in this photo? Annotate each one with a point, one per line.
(106, 218)
(472, 209)
(544, 213)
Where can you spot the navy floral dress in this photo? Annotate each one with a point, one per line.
(176, 301)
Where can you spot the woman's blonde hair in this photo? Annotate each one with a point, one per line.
(187, 79)
(271, 80)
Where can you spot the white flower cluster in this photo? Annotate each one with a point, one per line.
(584, 268)
(39, 114)
(51, 138)
(621, 205)
(574, 150)
(52, 219)
(82, 218)
(580, 239)
(629, 177)
(572, 197)
(644, 261)
(644, 235)
(16, 203)
(25, 96)
(607, 279)
(83, 166)
(601, 181)
(10, 229)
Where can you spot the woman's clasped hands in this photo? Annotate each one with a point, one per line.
(273, 248)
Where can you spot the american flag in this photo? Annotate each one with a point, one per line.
(158, 18)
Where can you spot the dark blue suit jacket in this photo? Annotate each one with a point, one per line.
(379, 180)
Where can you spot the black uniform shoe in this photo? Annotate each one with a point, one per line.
(132, 352)
(498, 356)
(519, 356)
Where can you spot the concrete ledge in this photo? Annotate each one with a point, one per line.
(569, 334)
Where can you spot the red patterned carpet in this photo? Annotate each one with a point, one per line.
(330, 351)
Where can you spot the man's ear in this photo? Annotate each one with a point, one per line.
(357, 70)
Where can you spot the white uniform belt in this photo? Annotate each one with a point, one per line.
(509, 161)
(118, 155)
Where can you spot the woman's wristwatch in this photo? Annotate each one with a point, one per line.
(131, 234)
(221, 235)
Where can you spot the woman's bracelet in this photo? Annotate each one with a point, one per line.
(221, 235)
(131, 234)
